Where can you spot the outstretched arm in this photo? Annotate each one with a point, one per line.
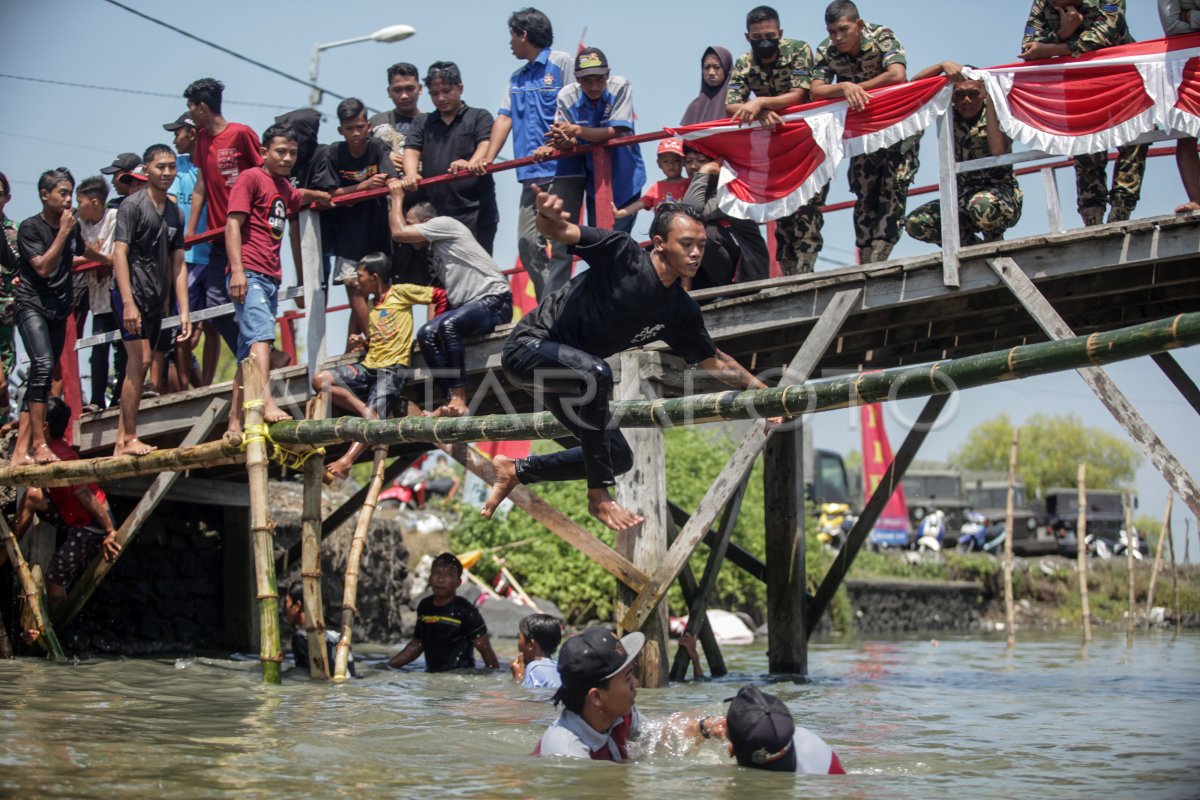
(553, 221)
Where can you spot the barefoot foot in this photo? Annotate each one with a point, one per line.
(453, 408)
(1187, 208)
(42, 454)
(133, 447)
(506, 481)
(274, 413)
(604, 508)
(337, 471)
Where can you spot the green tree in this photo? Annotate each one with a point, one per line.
(1052, 447)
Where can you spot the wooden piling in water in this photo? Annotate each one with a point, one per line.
(310, 553)
(354, 563)
(1130, 543)
(31, 593)
(1010, 619)
(5, 644)
(1085, 609)
(1163, 533)
(261, 529)
(1174, 581)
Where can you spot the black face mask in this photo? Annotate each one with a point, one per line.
(765, 49)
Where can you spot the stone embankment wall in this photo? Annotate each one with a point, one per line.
(896, 606)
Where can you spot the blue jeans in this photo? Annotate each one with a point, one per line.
(442, 338)
(576, 387)
(256, 314)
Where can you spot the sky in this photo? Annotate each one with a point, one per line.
(657, 46)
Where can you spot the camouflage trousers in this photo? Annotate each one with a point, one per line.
(798, 237)
(8, 354)
(1091, 184)
(880, 181)
(985, 212)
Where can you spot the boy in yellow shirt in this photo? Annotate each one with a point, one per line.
(372, 387)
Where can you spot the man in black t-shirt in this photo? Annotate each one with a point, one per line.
(454, 139)
(357, 164)
(448, 626)
(628, 297)
(147, 266)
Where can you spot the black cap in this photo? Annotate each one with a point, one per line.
(590, 61)
(596, 655)
(760, 728)
(184, 121)
(124, 162)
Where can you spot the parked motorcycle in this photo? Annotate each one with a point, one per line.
(833, 524)
(414, 488)
(978, 535)
(932, 531)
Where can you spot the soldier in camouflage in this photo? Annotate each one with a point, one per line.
(1071, 28)
(989, 200)
(860, 57)
(778, 72)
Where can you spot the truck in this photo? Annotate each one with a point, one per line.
(1059, 514)
(932, 488)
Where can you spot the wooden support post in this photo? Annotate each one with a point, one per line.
(30, 591)
(688, 588)
(787, 582)
(310, 553)
(1053, 203)
(1182, 381)
(1130, 543)
(948, 194)
(555, 521)
(1163, 533)
(698, 607)
(643, 490)
(1176, 475)
(739, 464)
(354, 564)
(736, 554)
(97, 571)
(844, 559)
(1085, 609)
(1010, 619)
(262, 530)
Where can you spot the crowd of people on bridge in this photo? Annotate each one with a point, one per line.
(409, 218)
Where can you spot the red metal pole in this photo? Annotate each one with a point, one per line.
(602, 180)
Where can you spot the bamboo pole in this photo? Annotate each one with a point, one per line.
(1085, 609)
(942, 377)
(261, 529)
(31, 593)
(1130, 543)
(1174, 581)
(310, 555)
(353, 563)
(481, 583)
(108, 468)
(1009, 613)
(1163, 533)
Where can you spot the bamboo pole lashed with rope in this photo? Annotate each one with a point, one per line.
(261, 528)
(1163, 533)
(31, 593)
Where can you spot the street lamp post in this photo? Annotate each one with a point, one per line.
(392, 33)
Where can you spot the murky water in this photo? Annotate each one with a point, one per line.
(908, 719)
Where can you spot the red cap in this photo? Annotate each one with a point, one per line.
(671, 146)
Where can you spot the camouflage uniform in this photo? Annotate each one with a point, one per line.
(880, 179)
(8, 305)
(798, 237)
(989, 200)
(1103, 25)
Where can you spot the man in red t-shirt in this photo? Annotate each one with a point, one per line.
(223, 151)
(262, 201)
(82, 511)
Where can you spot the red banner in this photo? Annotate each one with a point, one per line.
(892, 526)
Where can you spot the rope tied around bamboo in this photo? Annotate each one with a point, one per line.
(283, 456)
